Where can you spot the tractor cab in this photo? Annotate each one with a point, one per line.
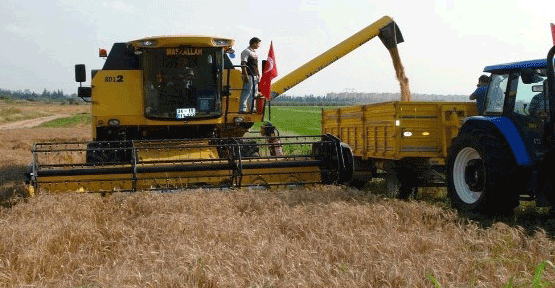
(517, 91)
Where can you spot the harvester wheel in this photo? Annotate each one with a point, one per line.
(249, 148)
(104, 152)
(400, 184)
(228, 148)
(478, 170)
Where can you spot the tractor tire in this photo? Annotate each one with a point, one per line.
(478, 172)
(400, 183)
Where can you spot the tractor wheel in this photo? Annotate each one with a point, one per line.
(478, 170)
(400, 183)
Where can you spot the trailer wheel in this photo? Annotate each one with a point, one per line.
(478, 169)
(400, 183)
(348, 164)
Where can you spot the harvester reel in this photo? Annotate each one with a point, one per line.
(182, 164)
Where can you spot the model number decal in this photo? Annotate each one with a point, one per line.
(118, 78)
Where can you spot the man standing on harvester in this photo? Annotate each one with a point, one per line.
(249, 58)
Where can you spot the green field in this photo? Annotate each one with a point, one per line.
(295, 120)
(72, 121)
(289, 120)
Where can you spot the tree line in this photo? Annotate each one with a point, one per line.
(354, 98)
(50, 96)
(330, 99)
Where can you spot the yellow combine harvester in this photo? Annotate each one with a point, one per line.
(165, 115)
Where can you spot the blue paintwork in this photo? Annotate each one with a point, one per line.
(508, 129)
(540, 63)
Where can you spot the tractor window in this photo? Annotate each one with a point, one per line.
(529, 102)
(496, 93)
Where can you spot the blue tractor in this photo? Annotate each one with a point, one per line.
(506, 154)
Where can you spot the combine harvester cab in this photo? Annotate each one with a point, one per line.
(185, 88)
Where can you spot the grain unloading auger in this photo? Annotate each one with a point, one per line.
(185, 88)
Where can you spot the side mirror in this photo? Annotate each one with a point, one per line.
(537, 88)
(84, 92)
(529, 76)
(231, 52)
(80, 73)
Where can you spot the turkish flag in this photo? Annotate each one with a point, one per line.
(269, 73)
(553, 33)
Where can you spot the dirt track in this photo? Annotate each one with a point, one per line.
(31, 122)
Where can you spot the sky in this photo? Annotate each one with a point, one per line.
(447, 42)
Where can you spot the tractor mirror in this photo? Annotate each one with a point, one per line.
(529, 76)
(80, 73)
(537, 88)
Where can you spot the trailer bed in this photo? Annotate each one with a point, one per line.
(397, 130)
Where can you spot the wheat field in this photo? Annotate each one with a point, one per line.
(321, 236)
(318, 237)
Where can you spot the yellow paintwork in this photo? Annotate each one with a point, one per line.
(269, 178)
(313, 66)
(117, 98)
(124, 101)
(188, 150)
(381, 131)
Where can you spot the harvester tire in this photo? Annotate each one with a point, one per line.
(228, 148)
(249, 148)
(104, 152)
(478, 172)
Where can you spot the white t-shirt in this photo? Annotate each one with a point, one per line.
(251, 58)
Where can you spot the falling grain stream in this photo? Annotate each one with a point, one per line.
(400, 73)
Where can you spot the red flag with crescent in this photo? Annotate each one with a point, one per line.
(269, 73)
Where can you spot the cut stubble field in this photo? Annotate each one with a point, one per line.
(321, 236)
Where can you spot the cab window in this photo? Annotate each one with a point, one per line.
(529, 100)
(496, 93)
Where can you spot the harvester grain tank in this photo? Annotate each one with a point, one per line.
(165, 115)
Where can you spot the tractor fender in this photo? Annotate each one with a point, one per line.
(504, 128)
